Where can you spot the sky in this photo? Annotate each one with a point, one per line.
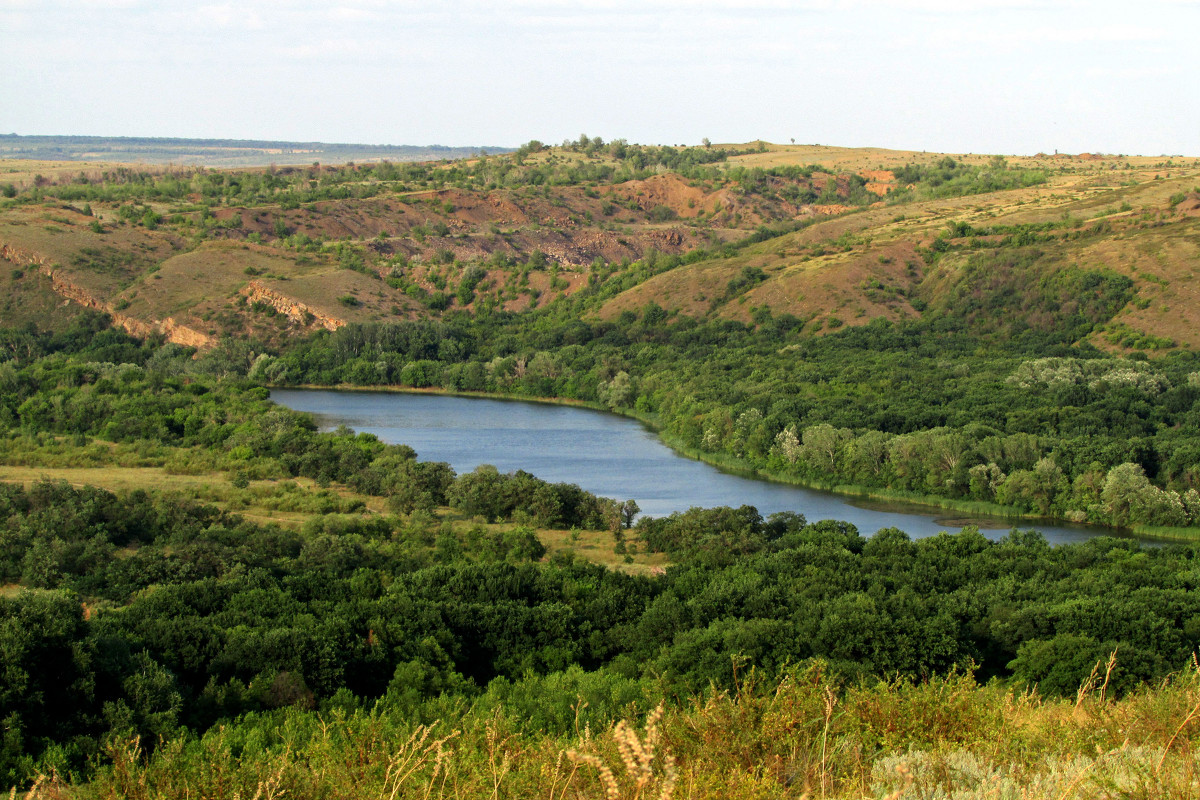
(994, 76)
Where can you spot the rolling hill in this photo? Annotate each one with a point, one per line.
(830, 236)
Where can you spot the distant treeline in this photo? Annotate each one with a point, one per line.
(404, 169)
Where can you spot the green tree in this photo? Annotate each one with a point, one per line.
(1125, 494)
(618, 392)
(629, 510)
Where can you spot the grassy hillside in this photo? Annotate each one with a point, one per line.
(927, 256)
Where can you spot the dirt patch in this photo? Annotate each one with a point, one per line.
(830, 209)
(673, 192)
(1190, 207)
(878, 175)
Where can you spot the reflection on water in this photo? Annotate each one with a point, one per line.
(608, 455)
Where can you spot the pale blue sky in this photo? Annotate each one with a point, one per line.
(1010, 76)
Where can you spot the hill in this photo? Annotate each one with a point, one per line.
(830, 236)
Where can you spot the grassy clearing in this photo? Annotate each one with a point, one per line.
(289, 503)
(113, 478)
(597, 547)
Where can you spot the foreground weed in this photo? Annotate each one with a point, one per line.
(44, 787)
(639, 779)
(419, 753)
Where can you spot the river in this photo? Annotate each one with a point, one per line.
(607, 455)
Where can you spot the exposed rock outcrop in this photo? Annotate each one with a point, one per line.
(172, 330)
(831, 208)
(21, 258)
(259, 292)
(879, 181)
(182, 334)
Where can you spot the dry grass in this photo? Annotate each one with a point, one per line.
(114, 479)
(57, 237)
(848, 159)
(646, 771)
(808, 277)
(27, 296)
(597, 547)
(868, 158)
(253, 503)
(213, 270)
(803, 737)
(22, 172)
(322, 291)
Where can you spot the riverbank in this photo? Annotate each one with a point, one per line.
(996, 515)
(976, 512)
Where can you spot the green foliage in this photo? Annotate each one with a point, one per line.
(521, 497)
(950, 178)
(206, 617)
(198, 618)
(1012, 290)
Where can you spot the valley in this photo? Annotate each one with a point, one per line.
(205, 594)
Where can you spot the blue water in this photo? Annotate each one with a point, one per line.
(607, 455)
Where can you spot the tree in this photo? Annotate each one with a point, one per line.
(478, 493)
(150, 704)
(866, 457)
(1048, 482)
(787, 444)
(821, 444)
(619, 392)
(629, 510)
(1125, 492)
(48, 683)
(985, 479)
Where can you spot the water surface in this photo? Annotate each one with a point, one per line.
(607, 455)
